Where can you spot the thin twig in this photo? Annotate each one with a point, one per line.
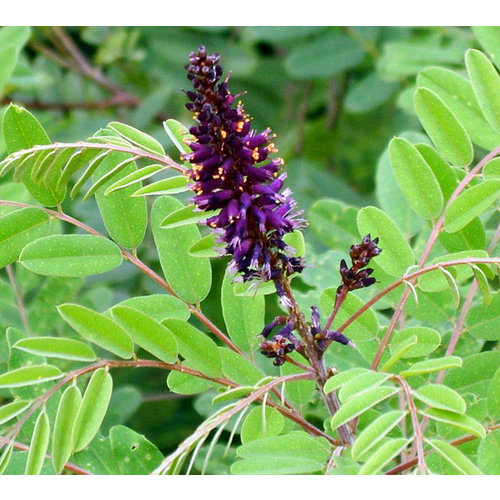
(415, 274)
(19, 299)
(316, 361)
(206, 428)
(68, 465)
(416, 427)
(430, 244)
(457, 442)
(339, 299)
(164, 160)
(81, 64)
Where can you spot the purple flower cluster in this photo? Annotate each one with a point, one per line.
(357, 276)
(321, 336)
(233, 174)
(284, 341)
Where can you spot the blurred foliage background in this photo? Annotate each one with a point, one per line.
(334, 95)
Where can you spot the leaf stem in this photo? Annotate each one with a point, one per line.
(430, 244)
(416, 427)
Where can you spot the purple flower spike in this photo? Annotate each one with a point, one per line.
(229, 173)
(356, 277)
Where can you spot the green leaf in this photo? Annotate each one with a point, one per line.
(293, 444)
(133, 452)
(237, 368)
(463, 422)
(147, 333)
(97, 457)
(375, 432)
(235, 393)
(442, 397)
(397, 255)
(29, 375)
(486, 84)
(324, 57)
(190, 277)
(206, 247)
(389, 196)
(428, 340)
(492, 169)
(19, 228)
(473, 380)
(482, 282)
(488, 453)
(243, 316)
(415, 178)
(454, 457)
(137, 138)
(8, 61)
(295, 240)
(273, 465)
(182, 383)
(299, 392)
(368, 93)
(340, 379)
(483, 321)
(493, 400)
(178, 134)
(435, 281)
(364, 328)
(362, 402)
(457, 93)
(186, 215)
(71, 255)
(38, 445)
(6, 456)
(196, 347)
(360, 383)
(22, 130)
(125, 217)
(390, 449)
(446, 132)
(172, 185)
(399, 351)
(403, 58)
(432, 365)
(333, 222)
(92, 409)
(471, 203)
(158, 307)
(55, 347)
(62, 439)
(134, 178)
(11, 410)
(98, 329)
(256, 426)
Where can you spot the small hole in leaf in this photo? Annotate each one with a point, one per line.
(134, 447)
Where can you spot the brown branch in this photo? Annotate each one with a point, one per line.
(207, 427)
(116, 100)
(19, 299)
(68, 465)
(316, 361)
(412, 276)
(164, 160)
(416, 426)
(457, 442)
(78, 62)
(430, 244)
